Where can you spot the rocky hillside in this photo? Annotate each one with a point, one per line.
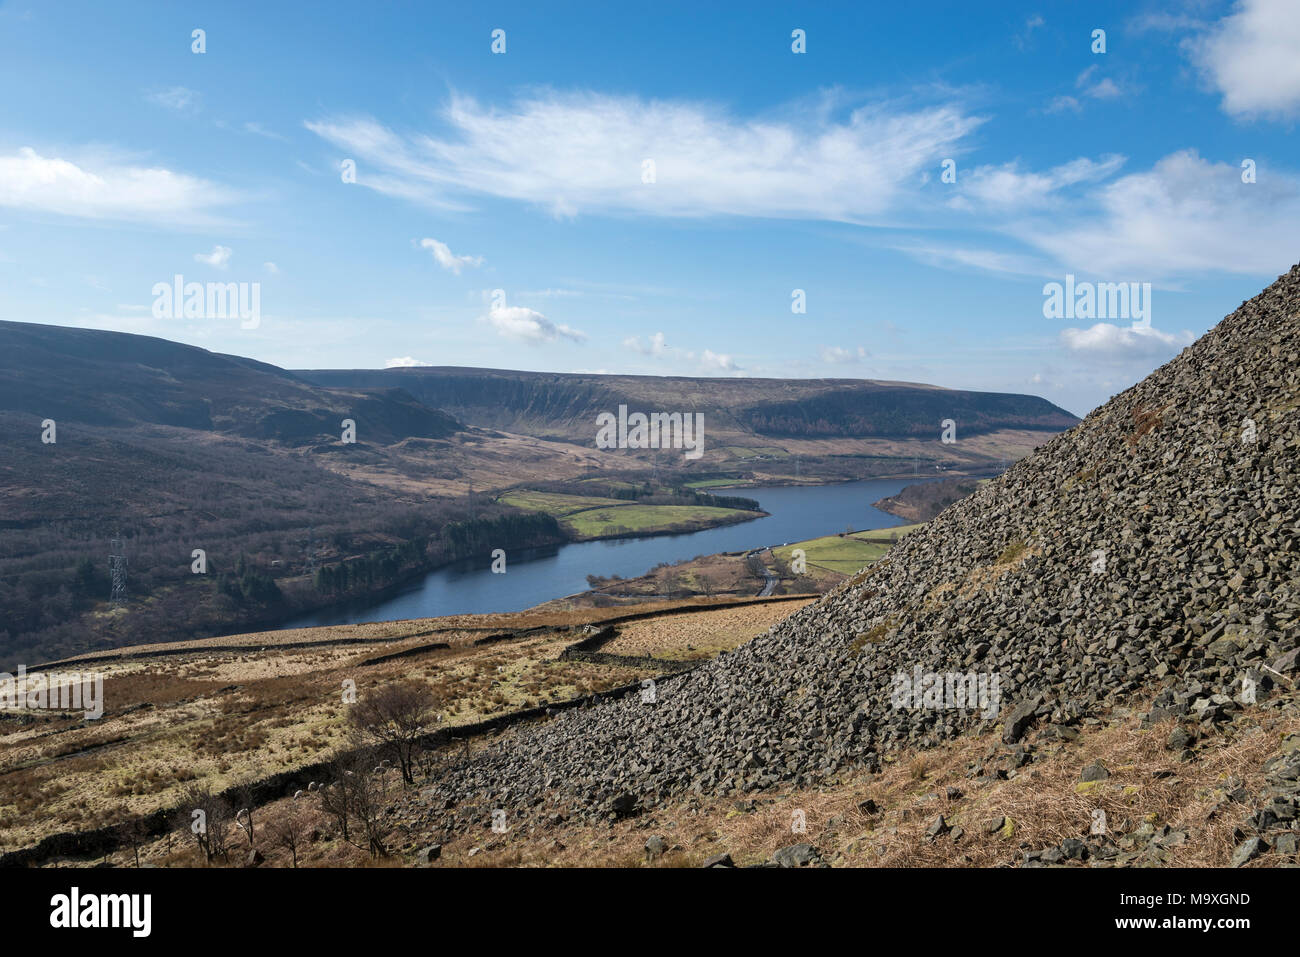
(1151, 549)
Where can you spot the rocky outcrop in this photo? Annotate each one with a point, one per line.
(1153, 548)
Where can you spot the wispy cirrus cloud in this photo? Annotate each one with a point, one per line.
(977, 258)
(1009, 187)
(178, 98)
(1025, 37)
(575, 153)
(1186, 216)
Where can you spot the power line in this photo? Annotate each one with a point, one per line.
(117, 568)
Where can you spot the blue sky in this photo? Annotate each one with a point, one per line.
(126, 158)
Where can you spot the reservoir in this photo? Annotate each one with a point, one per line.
(536, 575)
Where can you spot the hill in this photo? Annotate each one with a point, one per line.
(1149, 551)
(565, 405)
(924, 500)
(170, 448)
(118, 380)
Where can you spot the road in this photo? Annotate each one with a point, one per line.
(756, 563)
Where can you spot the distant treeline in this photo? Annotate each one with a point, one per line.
(648, 493)
(902, 413)
(280, 535)
(54, 591)
(385, 567)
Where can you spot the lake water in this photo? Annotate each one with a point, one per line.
(541, 574)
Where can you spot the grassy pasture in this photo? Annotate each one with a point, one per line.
(844, 554)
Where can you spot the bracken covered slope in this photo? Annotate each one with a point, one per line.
(1151, 548)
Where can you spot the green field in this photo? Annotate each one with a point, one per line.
(610, 483)
(844, 554)
(556, 503)
(590, 516)
(596, 522)
(718, 483)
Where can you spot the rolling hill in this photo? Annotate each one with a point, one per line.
(118, 380)
(565, 405)
(170, 449)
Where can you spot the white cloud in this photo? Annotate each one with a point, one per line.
(655, 346)
(1252, 57)
(719, 361)
(837, 354)
(405, 362)
(1007, 186)
(106, 190)
(528, 325)
(1103, 89)
(444, 257)
(1105, 339)
(219, 257)
(177, 98)
(272, 268)
(579, 152)
(1185, 216)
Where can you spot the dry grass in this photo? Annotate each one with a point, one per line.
(226, 717)
(690, 637)
(1043, 802)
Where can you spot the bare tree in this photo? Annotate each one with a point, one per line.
(207, 817)
(290, 830)
(244, 816)
(354, 801)
(394, 718)
(134, 833)
(368, 809)
(336, 796)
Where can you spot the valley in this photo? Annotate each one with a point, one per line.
(249, 463)
(687, 715)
